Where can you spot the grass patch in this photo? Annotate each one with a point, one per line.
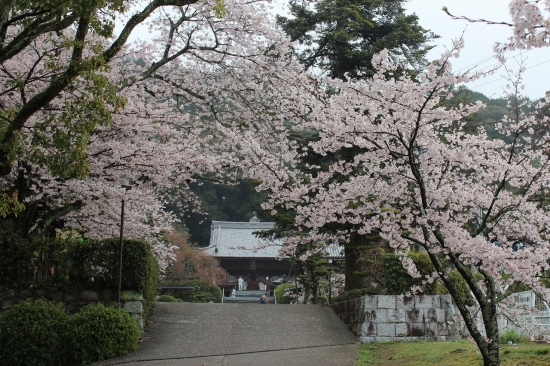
(367, 354)
(458, 353)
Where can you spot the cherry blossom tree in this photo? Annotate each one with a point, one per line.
(530, 25)
(152, 114)
(423, 182)
(37, 74)
(55, 62)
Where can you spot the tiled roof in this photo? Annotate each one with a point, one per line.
(335, 251)
(236, 240)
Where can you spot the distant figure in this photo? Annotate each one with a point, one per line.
(263, 299)
(241, 283)
(233, 292)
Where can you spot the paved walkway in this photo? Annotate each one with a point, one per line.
(185, 334)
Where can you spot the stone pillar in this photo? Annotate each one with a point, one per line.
(132, 302)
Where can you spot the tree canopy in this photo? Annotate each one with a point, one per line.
(33, 34)
(342, 36)
(223, 97)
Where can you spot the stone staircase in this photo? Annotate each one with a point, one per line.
(248, 296)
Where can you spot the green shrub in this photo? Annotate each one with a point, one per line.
(216, 293)
(281, 293)
(199, 295)
(166, 298)
(79, 265)
(462, 287)
(19, 259)
(351, 294)
(513, 336)
(93, 264)
(399, 281)
(99, 332)
(34, 333)
(322, 300)
(202, 292)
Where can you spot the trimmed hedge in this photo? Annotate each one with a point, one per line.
(202, 291)
(78, 265)
(39, 333)
(93, 264)
(398, 281)
(16, 258)
(34, 333)
(99, 333)
(167, 298)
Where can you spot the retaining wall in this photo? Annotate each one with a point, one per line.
(131, 301)
(397, 318)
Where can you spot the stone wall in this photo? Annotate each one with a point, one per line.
(131, 301)
(397, 318)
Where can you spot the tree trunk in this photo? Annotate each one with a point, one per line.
(363, 267)
(487, 344)
(354, 279)
(491, 356)
(315, 288)
(306, 297)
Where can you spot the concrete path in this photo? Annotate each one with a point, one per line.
(243, 334)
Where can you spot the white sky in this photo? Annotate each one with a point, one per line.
(479, 39)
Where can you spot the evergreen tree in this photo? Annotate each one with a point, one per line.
(220, 202)
(341, 36)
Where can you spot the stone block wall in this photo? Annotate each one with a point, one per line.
(397, 318)
(131, 301)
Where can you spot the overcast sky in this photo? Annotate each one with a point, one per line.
(479, 39)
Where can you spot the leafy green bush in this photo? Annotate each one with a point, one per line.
(99, 332)
(79, 265)
(166, 298)
(34, 333)
(322, 300)
(202, 292)
(19, 260)
(462, 287)
(216, 292)
(94, 265)
(513, 336)
(399, 281)
(281, 293)
(352, 294)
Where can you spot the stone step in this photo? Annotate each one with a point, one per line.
(246, 299)
(256, 294)
(250, 293)
(248, 296)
